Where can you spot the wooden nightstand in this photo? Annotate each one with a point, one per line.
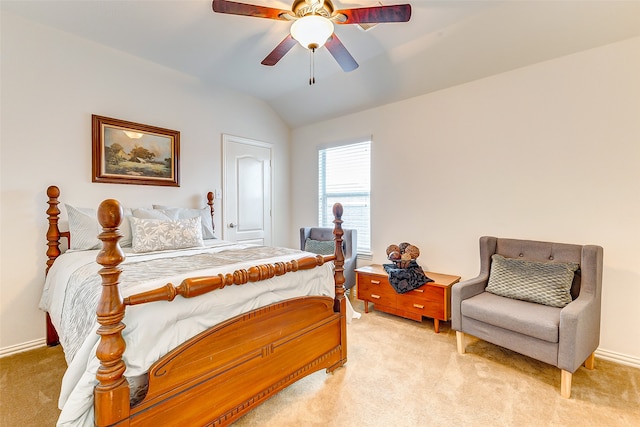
(432, 299)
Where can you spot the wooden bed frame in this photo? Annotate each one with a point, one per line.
(217, 376)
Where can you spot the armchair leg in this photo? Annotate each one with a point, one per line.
(590, 363)
(460, 342)
(565, 383)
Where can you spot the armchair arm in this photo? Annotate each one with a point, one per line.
(461, 291)
(579, 333)
(580, 319)
(471, 287)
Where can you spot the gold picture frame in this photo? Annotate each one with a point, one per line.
(132, 153)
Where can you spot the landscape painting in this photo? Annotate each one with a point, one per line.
(132, 153)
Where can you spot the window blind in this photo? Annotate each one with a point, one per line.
(345, 177)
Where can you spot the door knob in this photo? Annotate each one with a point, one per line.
(231, 225)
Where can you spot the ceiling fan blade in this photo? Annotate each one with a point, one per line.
(280, 51)
(234, 8)
(373, 15)
(341, 54)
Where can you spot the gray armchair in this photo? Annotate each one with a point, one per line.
(350, 242)
(563, 337)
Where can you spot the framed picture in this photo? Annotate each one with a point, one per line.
(132, 153)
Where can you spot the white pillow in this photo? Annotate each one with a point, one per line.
(146, 213)
(84, 228)
(181, 213)
(157, 234)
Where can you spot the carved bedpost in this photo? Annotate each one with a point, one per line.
(53, 250)
(112, 392)
(210, 198)
(53, 232)
(339, 262)
(340, 303)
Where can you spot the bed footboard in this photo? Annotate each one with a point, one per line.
(217, 376)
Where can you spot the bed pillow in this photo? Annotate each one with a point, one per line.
(547, 283)
(84, 228)
(321, 247)
(146, 213)
(151, 235)
(181, 213)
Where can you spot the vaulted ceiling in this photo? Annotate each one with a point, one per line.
(446, 42)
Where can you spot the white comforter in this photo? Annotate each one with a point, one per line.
(154, 329)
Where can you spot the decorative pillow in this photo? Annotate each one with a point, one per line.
(547, 283)
(321, 247)
(157, 235)
(181, 213)
(84, 228)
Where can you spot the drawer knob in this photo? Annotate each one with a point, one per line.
(375, 296)
(375, 282)
(420, 306)
(419, 290)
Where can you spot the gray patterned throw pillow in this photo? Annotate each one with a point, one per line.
(547, 283)
(321, 247)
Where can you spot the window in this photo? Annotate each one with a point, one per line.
(345, 177)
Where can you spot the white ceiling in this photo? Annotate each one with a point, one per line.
(446, 42)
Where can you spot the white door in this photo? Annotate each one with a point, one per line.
(246, 190)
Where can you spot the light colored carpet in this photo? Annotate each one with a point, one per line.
(30, 387)
(399, 373)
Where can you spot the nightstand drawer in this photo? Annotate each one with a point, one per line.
(429, 303)
(376, 290)
(427, 294)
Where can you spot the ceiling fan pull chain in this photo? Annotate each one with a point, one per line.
(312, 77)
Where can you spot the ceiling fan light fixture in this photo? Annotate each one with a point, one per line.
(312, 31)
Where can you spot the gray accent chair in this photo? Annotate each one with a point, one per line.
(350, 245)
(563, 337)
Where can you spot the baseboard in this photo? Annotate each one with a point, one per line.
(25, 346)
(622, 359)
(611, 356)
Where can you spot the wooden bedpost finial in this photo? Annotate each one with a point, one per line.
(53, 192)
(210, 198)
(337, 211)
(112, 386)
(110, 213)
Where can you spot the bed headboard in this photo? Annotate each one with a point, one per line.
(54, 235)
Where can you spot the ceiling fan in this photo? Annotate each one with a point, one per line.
(313, 24)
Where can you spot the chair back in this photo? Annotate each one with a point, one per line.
(349, 242)
(537, 251)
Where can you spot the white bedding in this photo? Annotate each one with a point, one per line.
(171, 322)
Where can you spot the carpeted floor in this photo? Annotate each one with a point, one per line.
(30, 386)
(400, 373)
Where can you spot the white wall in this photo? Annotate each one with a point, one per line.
(547, 152)
(51, 84)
